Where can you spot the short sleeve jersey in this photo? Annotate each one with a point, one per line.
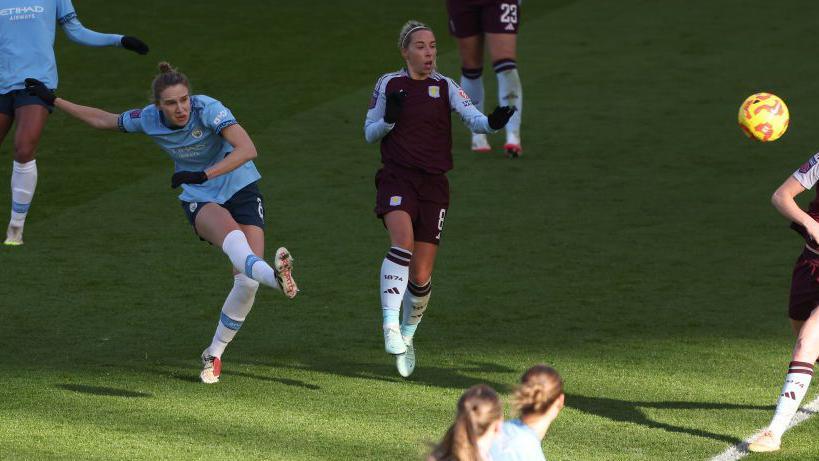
(517, 442)
(195, 147)
(27, 40)
(422, 137)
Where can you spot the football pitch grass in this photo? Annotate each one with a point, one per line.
(633, 246)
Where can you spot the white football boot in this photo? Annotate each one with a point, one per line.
(405, 363)
(14, 236)
(393, 343)
(283, 264)
(480, 143)
(765, 442)
(211, 368)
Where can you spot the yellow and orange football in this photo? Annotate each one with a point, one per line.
(764, 117)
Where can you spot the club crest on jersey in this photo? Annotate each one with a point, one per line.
(434, 92)
(197, 133)
(807, 165)
(395, 200)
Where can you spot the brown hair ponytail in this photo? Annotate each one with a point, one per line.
(540, 386)
(478, 408)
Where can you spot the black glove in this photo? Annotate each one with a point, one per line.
(188, 177)
(37, 88)
(501, 115)
(395, 101)
(134, 44)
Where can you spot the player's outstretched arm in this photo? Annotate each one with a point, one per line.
(243, 151)
(97, 118)
(77, 33)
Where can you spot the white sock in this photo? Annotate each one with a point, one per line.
(394, 277)
(510, 93)
(416, 300)
(23, 183)
(796, 386)
(241, 256)
(472, 83)
(237, 305)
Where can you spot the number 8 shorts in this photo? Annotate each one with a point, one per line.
(246, 206)
(468, 18)
(425, 197)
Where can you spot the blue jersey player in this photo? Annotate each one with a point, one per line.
(27, 50)
(213, 158)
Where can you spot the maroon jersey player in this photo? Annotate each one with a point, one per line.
(474, 23)
(804, 298)
(410, 114)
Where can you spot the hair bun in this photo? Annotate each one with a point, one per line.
(165, 67)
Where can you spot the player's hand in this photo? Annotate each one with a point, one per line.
(188, 177)
(500, 116)
(395, 101)
(134, 44)
(37, 88)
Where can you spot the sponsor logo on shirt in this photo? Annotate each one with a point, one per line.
(807, 165)
(395, 200)
(135, 113)
(434, 92)
(18, 13)
(220, 117)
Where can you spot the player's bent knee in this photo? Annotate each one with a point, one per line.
(24, 153)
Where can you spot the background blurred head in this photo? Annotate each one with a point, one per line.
(540, 392)
(477, 422)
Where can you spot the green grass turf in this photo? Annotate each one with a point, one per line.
(633, 246)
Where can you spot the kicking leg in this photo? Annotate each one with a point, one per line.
(216, 225)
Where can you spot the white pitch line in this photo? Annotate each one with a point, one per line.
(740, 450)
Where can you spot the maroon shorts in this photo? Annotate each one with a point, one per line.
(468, 18)
(425, 197)
(804, 286)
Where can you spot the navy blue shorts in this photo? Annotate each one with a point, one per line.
(246, 206)
(18, 98)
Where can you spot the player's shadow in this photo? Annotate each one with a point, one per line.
(193, 376)
(457, 377)
(101, 390)
(630, 412)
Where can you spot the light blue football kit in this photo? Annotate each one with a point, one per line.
(517, 442)
(27, 29)
(195, 147)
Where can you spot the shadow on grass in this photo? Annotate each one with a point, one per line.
(443, 377)
(629, 412)
(193, 377)
(100, 390)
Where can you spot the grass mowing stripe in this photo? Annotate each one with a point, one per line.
(740, 450)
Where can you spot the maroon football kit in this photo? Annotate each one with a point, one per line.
(468, 18)
(804, 295)
(416, 150)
